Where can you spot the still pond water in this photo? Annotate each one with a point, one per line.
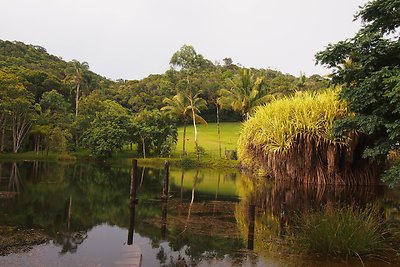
(85, 211)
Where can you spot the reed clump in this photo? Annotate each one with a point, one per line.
(291, 139)
(343, 232)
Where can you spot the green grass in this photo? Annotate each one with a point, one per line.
(343, 232)
(208, 139)
(208, 181)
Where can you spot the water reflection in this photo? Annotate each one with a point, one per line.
(210, 218)
(69, 200)
(269, 211)
(11, 184)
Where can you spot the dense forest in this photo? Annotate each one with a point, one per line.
(48, 104)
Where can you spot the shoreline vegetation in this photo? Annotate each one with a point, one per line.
(207, 139)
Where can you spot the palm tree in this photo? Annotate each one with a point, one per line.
(76, 72)
(196, 103)
(179, 106)
(245, 94)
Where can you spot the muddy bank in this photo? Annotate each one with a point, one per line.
(14, 240)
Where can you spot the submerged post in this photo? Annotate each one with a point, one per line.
(133, 182)
(164, 212)
(133, 201)
(250, 236)
(164, 195)
(131, 223)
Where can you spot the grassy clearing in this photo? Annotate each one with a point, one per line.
(208, 139)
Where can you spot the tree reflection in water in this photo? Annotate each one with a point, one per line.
(204, 221)
(280, 205)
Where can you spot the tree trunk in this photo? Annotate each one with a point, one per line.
(144, 148)
(77, 100)
(195, 128)
(20, 127)
(3, 133)
(37, 144)
(184, 138)
(219, 133)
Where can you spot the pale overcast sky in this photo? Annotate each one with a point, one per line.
(131, 39)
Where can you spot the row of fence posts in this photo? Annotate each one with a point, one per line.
(164, 200)
(134, 201)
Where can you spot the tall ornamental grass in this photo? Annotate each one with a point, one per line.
(343, 232)
(291, 139)
(273, 127)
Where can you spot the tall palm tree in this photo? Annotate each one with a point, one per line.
(196, 104)
(180, 106)
(245, 94)
(76, 72)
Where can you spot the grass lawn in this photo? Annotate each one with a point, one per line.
(208, 138)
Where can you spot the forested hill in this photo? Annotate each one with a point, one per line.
(64, 105)
(41, 72)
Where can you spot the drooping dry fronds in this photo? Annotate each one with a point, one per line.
(291, 139)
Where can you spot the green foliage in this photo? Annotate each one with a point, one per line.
(391, 176)
(343, 232)
(246, 92)
(58, 139)
(188, 60)
(53, 101)
(108, 131)
(177, 107)
(17, 108)
(54, 91)
(154, 133)
(368, 66)
(187, 163)
(147, 93)
(201, 150)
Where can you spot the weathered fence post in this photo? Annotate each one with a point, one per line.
(133, 201)
(131, 223)
(250, 236)
(164, 195)
(133, 182)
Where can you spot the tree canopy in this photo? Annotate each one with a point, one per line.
(66, 104)
(368, 67)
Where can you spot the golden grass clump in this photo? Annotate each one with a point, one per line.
(291, 139)
(274, 127)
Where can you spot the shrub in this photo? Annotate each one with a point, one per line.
(187, 163)
(201, 150)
